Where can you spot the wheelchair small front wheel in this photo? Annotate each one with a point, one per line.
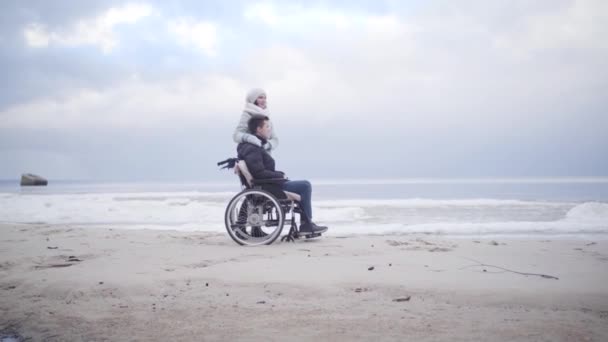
(254, 217)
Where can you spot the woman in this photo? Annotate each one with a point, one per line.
(255, 104)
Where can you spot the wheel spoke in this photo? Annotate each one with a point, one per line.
(254, 217)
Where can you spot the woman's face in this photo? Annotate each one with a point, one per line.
(264, 131)
(261, 101)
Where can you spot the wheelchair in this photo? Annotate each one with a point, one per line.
(256, 215)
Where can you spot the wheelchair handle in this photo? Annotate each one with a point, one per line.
(230, 161)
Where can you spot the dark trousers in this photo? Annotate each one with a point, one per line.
(304, 189)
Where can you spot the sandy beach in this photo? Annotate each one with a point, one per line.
(69, 283)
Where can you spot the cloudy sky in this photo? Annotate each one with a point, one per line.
(151, 90)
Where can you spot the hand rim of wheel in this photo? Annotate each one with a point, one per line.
(259, 241)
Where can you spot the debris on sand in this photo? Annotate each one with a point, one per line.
(40, 267)
(396, 243)
(439, 249)
(404, 299)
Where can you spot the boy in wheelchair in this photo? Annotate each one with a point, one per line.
(261, 165)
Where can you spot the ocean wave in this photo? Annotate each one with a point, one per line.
(195, 210)
(589, 212)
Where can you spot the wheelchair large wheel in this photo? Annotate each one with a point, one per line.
(254, 217)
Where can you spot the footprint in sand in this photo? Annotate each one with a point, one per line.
(439, 249)
(419, 244)
(61, 261)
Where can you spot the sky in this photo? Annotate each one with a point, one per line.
(152, 90)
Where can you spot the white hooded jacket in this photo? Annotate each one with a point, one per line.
(241, 133)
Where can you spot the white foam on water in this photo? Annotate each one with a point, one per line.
(589, 212)
(424, 202)
(519, 180)
(204, 211)
(171, 209)
(585, 218)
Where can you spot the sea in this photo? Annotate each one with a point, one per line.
(461, 207)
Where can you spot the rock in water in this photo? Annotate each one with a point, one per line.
(28, 179)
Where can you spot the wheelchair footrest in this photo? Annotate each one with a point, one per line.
(311, 235)
(294, 234)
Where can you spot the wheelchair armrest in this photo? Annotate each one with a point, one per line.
(263, 181)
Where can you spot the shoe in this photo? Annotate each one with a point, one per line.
(257, 232)
(312, 228)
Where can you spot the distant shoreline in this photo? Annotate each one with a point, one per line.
(365, 181)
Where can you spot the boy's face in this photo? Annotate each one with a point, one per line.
(264, 131)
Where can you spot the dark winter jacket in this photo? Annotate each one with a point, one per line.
(259, 162)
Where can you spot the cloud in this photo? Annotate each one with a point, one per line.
(313, 20)
(578, 25)
(132, 103)
(457, 84)
(433, 69)
(198, 34)
(265, 12)
(97, 31)
(36, 35)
